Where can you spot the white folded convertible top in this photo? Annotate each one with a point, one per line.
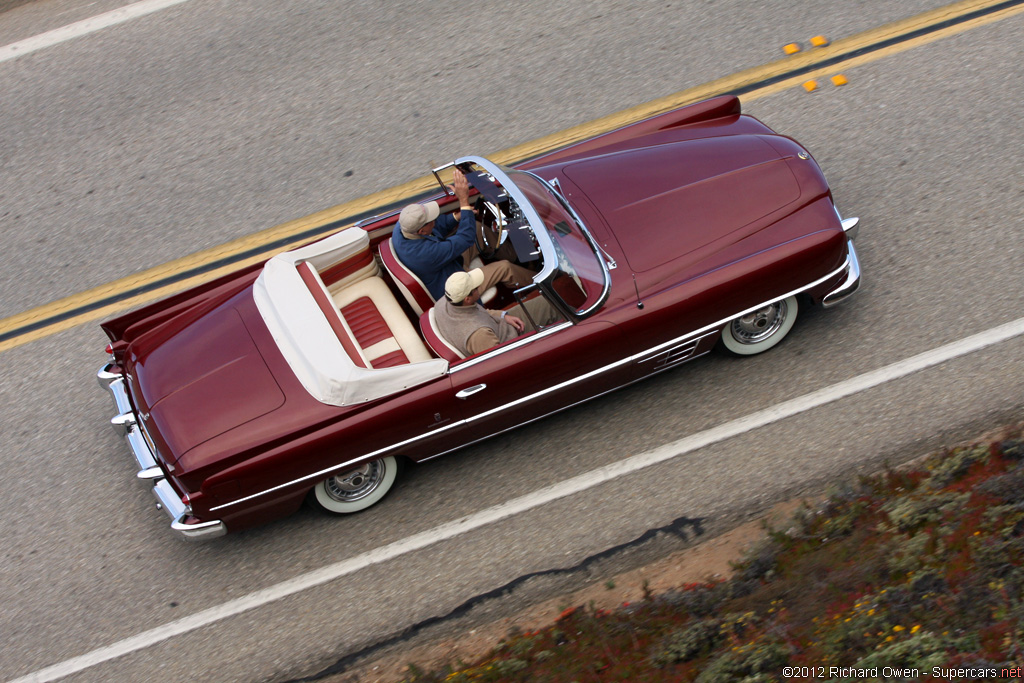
(306, 338)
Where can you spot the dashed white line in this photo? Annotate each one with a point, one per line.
(551, 493)
(84, 27)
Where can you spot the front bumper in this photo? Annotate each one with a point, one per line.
(125, 422)
(851, 282)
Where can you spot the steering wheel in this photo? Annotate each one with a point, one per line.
(488, 238)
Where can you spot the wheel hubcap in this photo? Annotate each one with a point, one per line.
(357, 483)
(760, 325)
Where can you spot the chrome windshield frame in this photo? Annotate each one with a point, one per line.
(547, 247)
(599, 253)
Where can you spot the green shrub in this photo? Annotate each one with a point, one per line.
(686, 644)
(909, 513)
(507, 667)
(956, 463)
(922, 650)
(751, 663)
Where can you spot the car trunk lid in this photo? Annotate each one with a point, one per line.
(209, 380)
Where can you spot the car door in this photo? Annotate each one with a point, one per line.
(539, 374)
(666, 331)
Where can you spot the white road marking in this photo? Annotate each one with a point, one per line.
(86, 26)
(543, 496)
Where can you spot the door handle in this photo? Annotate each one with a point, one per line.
(466, 393)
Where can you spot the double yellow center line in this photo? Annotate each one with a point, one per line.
(175, 276)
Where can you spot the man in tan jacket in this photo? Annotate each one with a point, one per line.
(471, 328)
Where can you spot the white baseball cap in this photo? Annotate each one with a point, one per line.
(460, 285)
(415, 216)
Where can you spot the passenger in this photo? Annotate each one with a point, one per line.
(471, 328)
(425, 242)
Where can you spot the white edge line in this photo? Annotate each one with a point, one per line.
(531, 500)
(84, 27)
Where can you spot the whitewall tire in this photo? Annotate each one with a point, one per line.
(760, 330)
(356, 489)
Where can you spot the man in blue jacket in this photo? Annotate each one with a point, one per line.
(424, 242)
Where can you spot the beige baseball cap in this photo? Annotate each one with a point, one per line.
(460, 285)
(415, 216)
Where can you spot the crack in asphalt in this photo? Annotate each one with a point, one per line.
(686, 529)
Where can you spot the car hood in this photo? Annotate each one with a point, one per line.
(197, 379)
(697, 195)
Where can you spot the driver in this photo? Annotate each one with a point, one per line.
(424, 242)
(471, 328)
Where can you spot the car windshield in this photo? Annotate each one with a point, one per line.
(580, 277)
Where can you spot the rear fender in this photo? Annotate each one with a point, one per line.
(131, 325)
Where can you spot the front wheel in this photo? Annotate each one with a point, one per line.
(760, 330)
(356, 489)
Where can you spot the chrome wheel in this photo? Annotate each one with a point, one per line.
(759, 325)
(358, 488)
(762, 329)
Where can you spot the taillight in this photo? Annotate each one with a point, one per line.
(117, 349)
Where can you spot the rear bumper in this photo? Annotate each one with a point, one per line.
(111, 378)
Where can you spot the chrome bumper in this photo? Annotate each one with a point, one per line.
(851, 282)
(125, 423)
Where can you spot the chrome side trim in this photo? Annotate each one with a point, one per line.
(702, 332)
(675, 355)
(317, 476)
(714, 327)
(565, 407)
(126, 423)
(371, 219)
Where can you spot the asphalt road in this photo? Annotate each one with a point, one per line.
(198, 124)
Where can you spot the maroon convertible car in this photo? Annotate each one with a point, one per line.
(310, 377)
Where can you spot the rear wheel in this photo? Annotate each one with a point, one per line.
(760, 330)
(356, 489)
